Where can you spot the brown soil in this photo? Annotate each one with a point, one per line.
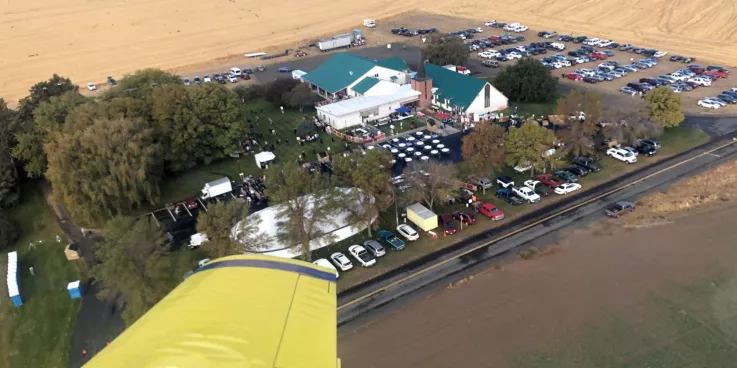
(594, 273)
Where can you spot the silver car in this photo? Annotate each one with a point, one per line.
(374, 247)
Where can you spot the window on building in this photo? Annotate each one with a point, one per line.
(487, 96)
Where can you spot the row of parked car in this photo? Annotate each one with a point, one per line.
(412, 32)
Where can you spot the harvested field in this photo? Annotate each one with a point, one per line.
(604, 296)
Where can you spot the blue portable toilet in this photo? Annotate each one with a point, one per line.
(12, 280)
(75, 289)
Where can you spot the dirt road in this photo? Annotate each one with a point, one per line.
(603, 295)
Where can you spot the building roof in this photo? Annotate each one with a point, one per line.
(364, 85)
(421, 211)
(363, 103)
(394, 63)
(460, 89)
(339, 72)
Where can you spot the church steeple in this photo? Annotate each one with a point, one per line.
(420, 76)
(422, 83)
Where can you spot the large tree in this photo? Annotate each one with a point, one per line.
(183, 137)
(528, 144)
(105, 169)
(582, 112)
(48, 118)
(300, 96)
(224, 239)
(307, 204)
(8, 232)
(8, 174)
(220, 112)
(42, 92)
(443, 49)
(141, 84)
(370, 174)
(527, 81)
(628, 121)
(278, 90)
(664, 107)
(133, 267)
(430, 182)
(483, 148)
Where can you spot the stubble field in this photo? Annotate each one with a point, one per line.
(88, 41)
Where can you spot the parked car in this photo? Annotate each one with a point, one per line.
(361, 255)
(490, 211)
(374, 248)
(549, 180)
(538, 187)
(587, 163)
(646, 149)
(485, 183)
(566, 188)
(651, 142)
(407, 232)
(390, 239)
(111, 81)
(341, 261)
(620, 208)
(207, 79)
(91, 86)
(285, 69)
(526, 194)
(709, 104)
(622, 155)
(490, 63)
(509, 196)
(505, 181)
(465, 217)
(187, 82)
(577, 170)
(566, 176)
(322, 262)
(449, 227)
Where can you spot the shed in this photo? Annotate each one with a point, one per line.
(422, 217)
(264, 158)
(72, 252)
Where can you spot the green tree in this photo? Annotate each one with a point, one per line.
(219, 110)
(664, 107)
(224, 239)
(277, 91)
(300, 96)
(250, 93)
(430, 182)
(134, 269)
(527, 81)
(108, 168)
(527, 145)
(370, 174)
(307, 204)
(443, 49)
(305, 128)
(48, 118)
(8, 233)
(42, 92)
(140, 84)
(582, 112)
(178, 129)
(8, 173)
(483, 149)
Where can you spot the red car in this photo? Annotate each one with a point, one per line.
(467, 218)
(549, 180)
(448, 225)
(716, 73)
(490, 211)
(495, 38)
(598, 56)
(696, 69)
(573, 76)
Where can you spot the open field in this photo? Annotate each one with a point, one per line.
(89, 41)
(37, 334)
(602, 296)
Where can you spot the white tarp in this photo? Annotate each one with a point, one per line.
(264, 157)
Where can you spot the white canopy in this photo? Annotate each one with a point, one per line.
(264, 157)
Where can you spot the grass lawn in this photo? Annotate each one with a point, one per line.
(673, 141)
(189, 183)
(37, 334)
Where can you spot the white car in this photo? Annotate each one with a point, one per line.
(708, 104)
(604, 43)
(660, 54)
(232, 79)
(668, 77)
(621, 155)
(91, 86)
(566, 188)
(521, 28)
(514, 55)
(679, 77)
(706, 82)
(235, 71)
(630, 149)
(369, 23)
(207, 79)
(340, 260)
(479, 29)
(489, 54)
(408, 232)
(325, 263)
(592, 41)
(716, 100)
(490, 23)
(558, 46)
(526, 194)
(361, 255)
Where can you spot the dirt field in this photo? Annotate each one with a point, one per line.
(88, 41)
(605, 296)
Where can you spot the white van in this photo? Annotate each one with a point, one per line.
(370, 23)
(235, 71)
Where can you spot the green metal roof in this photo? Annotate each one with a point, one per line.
(394, 62)
(339, 71)
(460, 89)
(364, 85)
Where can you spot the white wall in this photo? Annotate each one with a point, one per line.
(343, 121)
(497, 99)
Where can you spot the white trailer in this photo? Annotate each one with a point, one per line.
(345, 40)
(216, 188)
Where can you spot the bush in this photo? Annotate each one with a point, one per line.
(306, 127)
(276, 90)
(250, 93)
(528, 253)
(527, 81)
(8, 233)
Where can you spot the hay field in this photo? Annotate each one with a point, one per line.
(89, 40)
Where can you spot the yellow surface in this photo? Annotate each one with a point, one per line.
(235, 317)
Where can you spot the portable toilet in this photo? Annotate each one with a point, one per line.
(12, 280)
(75, 289)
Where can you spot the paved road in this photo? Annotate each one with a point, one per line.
(439, 269)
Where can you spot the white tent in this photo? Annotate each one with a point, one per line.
(264, 158)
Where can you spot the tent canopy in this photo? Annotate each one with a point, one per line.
(264, 157)
(403, 109)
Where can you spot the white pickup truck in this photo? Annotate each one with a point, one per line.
(526, 194)
(622, 155)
